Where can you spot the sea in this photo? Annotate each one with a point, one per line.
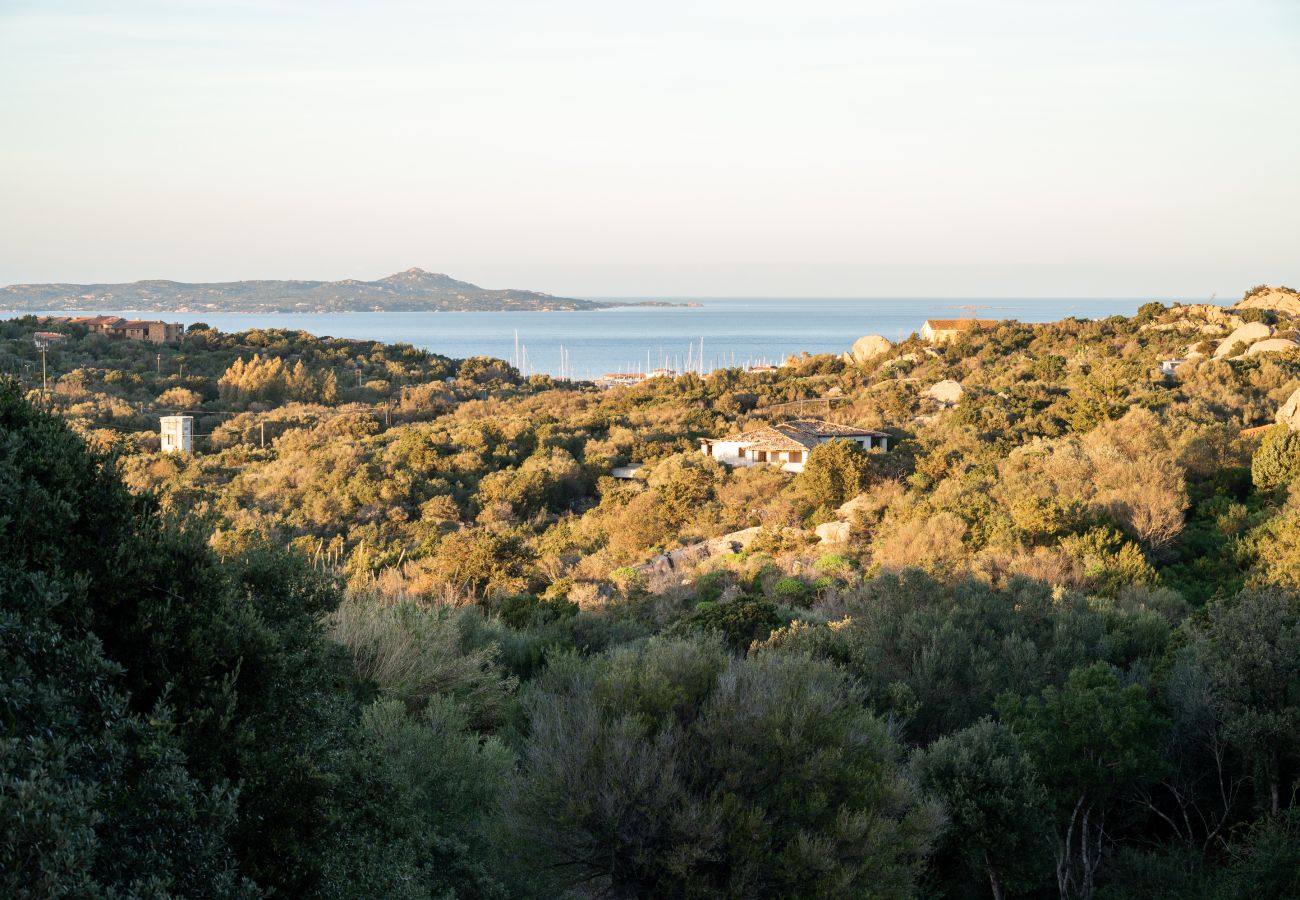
(709, 333)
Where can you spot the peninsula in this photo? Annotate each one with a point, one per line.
(414, 290)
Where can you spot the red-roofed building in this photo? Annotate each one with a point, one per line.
(150, 330)
(940, 331)
(98, 324)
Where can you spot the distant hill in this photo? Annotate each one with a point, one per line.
(412, 290)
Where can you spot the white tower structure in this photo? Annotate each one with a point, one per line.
(177, 434)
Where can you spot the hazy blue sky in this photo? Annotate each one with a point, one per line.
(894, 147)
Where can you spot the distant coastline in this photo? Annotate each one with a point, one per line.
(414, 290)
(597, 306)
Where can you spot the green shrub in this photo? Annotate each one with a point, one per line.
(1277, 461)
(834, 562)
(709, 587)
(628, 578)
(740, 622)
(523, 610)
(791, 590)
(1111, 561)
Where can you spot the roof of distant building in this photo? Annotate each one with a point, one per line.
(828, 429)
(961, 324)
(798, 434)
(774, 438)
(1256, 431)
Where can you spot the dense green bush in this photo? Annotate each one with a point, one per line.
(1277, 461)
(671, 771)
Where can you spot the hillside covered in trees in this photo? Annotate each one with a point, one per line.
(395, 630)
(411, 290)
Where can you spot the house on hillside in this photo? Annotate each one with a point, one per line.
(98, 324)
(1169, 367)
(132, 329)
(150, 330)
(788, 444)
(940, 331)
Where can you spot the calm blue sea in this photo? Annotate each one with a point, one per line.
(736, 331)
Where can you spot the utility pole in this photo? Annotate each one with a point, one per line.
(160, 364)
(261, 427)
(43, 345)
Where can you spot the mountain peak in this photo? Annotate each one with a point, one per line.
(416, 275)
(408, 275)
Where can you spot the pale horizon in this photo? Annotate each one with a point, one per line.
(883, 149)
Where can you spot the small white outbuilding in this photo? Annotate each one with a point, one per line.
(177, 434)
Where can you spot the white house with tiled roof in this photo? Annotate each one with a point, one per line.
(788, 444)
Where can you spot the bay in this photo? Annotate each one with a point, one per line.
(735, 331)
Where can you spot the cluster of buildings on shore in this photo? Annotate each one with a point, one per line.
(612, 379)
(125, 329)
(625, 379)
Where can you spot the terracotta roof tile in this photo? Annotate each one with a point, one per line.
(828, 429)
(961, 324)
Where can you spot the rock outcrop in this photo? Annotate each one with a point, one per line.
(1272, 345)
(837, 532)
(1247, 334)
(1279, 299)
(734, 542)
(833, 532)
(1289, 414)
(867, 348)
(947, 392)
(1204, 317)
(849, 507)
(674, 561)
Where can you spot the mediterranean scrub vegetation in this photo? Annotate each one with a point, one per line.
(394, 630)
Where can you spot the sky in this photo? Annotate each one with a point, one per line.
(1126, 148)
